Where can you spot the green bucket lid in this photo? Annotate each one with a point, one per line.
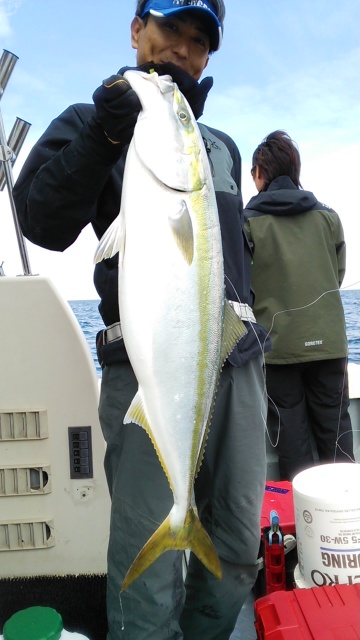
(35, 623)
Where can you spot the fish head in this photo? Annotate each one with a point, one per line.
(166, 137)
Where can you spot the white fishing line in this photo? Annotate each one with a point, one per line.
(338, 446)
(262, 347)
(345, 368)
(262, 351)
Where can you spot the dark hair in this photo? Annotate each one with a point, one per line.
(276, 156)
(217, 5)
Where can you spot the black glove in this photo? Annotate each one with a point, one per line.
(117, 109)
(194, 92)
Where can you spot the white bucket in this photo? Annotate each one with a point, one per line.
(298, 579)
(327, 518)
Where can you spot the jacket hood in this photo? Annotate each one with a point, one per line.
(282, 198)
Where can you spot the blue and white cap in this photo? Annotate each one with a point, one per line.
(162, 8)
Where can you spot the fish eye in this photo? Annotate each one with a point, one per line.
(183, 116)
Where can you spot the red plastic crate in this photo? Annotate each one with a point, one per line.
(278, 569)
(319, 613)
(278, 496)
(274, 565)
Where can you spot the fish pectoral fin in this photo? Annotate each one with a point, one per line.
(112, 241)
(182, 229)
(136, 413)
(234, 329)
(191, 535)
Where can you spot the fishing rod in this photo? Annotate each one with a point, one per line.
(9, 150)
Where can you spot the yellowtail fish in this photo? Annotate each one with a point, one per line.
(177, 326)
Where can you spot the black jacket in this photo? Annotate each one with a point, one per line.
(73, 176)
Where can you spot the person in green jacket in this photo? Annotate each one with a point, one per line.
(298, 266)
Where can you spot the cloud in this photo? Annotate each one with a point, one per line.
(315, 105)
(318, 105)
(9, 6)
(5, 29)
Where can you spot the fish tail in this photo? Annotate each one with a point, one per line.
(191, 535)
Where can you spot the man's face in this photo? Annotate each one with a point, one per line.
(181, 40)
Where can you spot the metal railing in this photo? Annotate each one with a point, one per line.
(9, 151)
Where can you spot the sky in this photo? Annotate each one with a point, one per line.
(284, 64)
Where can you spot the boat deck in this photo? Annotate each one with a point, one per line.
(245, 629)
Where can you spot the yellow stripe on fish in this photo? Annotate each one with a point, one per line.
(178, 329)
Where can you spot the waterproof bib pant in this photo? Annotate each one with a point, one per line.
(305, 398)
(229, 493)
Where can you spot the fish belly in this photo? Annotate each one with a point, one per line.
(160, 308)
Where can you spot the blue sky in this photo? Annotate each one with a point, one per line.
(284, 64)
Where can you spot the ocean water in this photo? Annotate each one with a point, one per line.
(351, 303)
(87, 314)
(90, 321)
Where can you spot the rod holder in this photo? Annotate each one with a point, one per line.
(15, 142)
(8, 61)
(9, 150)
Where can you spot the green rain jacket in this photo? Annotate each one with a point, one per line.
(298, 266)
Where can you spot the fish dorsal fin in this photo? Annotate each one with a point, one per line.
(182, 229)
(233, 330)
(136, 413)
(112, 241)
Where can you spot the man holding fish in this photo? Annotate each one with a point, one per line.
(183, 399)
